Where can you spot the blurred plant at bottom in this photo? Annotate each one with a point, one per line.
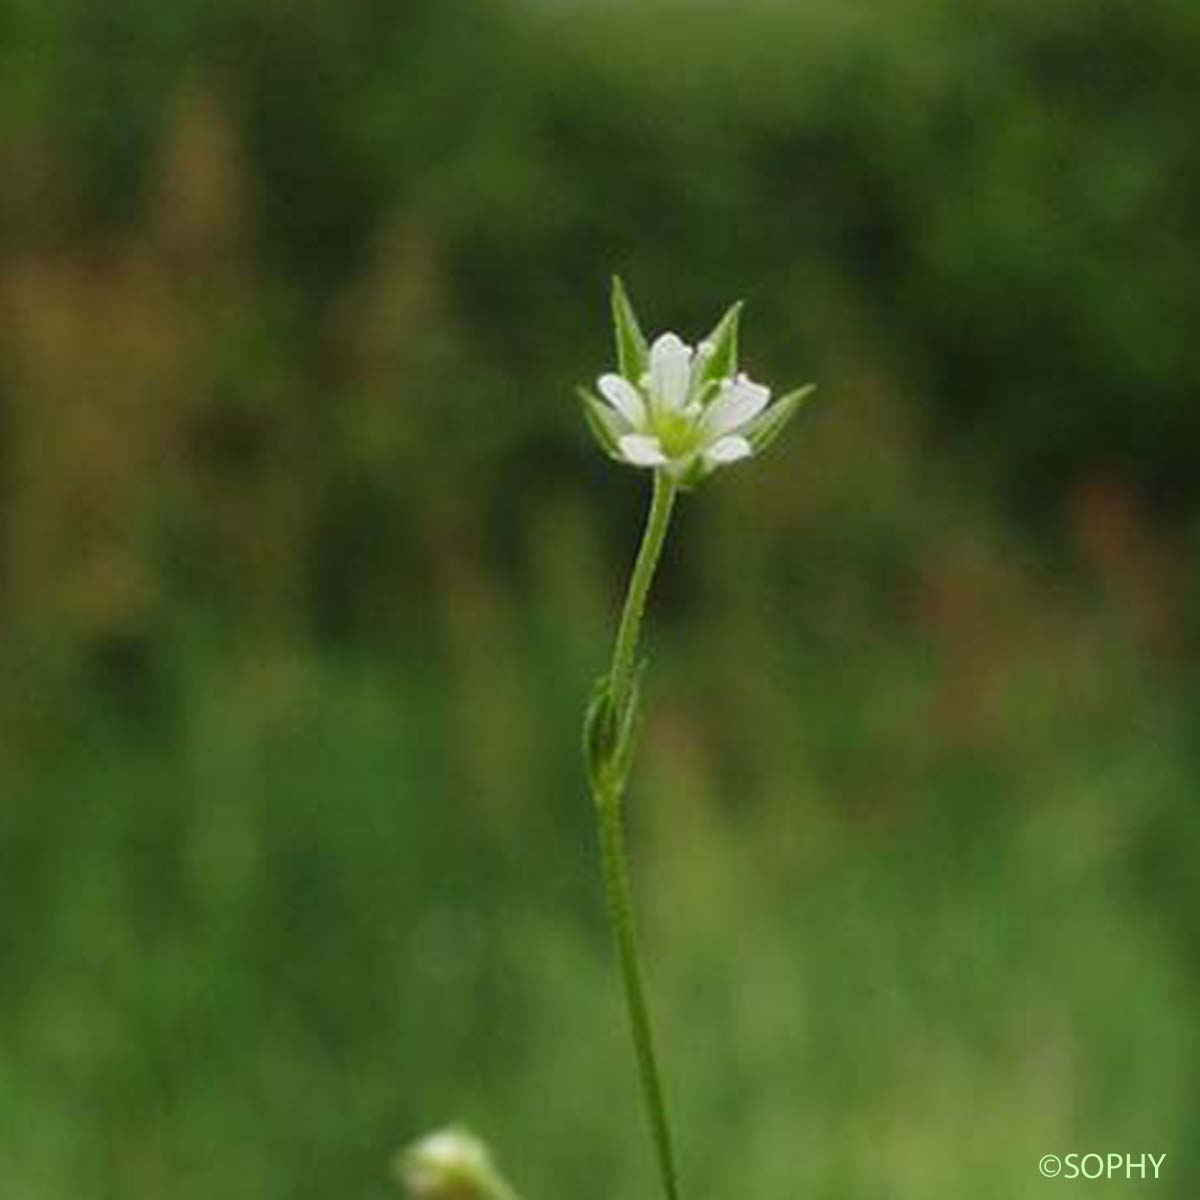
(451, 1164)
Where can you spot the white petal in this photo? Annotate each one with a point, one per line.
(670, 371)
(642, 451)
(725, 450)
(737, 402)
(624, 397)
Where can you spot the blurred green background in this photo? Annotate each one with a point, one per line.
(307, 565)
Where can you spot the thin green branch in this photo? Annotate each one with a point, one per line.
(624, 653)
(610, 815)
(620, 915)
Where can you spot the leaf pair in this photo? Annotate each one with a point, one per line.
(609, 737)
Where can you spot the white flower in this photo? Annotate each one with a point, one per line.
(683, 411)
(676, 418)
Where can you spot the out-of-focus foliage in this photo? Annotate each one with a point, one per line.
(306, 564)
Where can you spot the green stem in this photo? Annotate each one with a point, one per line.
(620, 915)
(610, 814)
(639, 586)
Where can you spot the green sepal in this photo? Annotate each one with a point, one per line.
(603, 423)
(633, 356)
(706, 391)
(765, 428)
(722, 362)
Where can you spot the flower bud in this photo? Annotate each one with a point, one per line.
(451, 1165)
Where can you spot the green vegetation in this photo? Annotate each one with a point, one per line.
(307, 564)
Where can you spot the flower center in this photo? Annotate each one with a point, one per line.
(678, 432)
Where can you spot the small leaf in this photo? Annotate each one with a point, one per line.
(633, 357)
(763, 430)
(603, 423)
(722, 362)
(599, 737)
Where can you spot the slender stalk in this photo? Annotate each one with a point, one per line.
(610, 815)
(620, 915)
(639, 586)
